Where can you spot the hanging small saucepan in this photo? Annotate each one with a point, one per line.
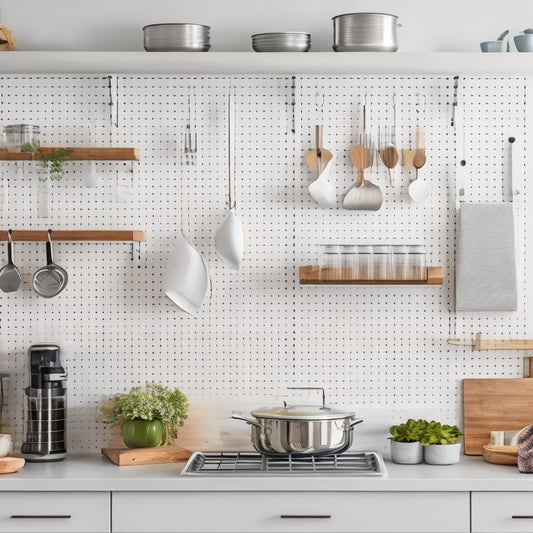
(50, 280)
(301, 429)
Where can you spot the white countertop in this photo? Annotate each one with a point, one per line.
(97, 473)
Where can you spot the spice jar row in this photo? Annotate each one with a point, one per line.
(373, 262)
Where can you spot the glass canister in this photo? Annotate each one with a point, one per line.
(417, 267)
(382, 256)
(21, 138)
(400, 262)
(350, 262)
(366, 262)
(330, 267)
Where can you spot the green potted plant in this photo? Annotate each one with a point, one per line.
(149, 415)
(405, 441)
(51, 162)
(441, 444)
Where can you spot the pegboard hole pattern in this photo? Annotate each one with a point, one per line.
(372, 348)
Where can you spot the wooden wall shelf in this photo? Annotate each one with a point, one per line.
(75, 235)
(78, 154)
(309, 275)
(504, 344)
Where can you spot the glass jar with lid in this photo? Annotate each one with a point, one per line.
(21, 138)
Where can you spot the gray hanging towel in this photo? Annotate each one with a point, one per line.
(486, 264)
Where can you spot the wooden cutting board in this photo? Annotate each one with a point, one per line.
(10, 465)
(146, 456)
(494, 405)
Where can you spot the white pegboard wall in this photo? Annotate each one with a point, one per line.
(370, 347)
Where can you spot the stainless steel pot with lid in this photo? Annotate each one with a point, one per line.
(301, 429)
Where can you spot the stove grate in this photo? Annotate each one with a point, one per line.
(242, 463)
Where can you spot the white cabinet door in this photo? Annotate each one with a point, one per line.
(300, 512)
(55, 512)
(502, 512)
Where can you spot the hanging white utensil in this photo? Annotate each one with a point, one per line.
(186, 281)
(419, 189)
(321, 190)
(90, 178)
(229, 238)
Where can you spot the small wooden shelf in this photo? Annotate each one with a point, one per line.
(78, 154)
(309, 275)
(497, 344)
(75, 235)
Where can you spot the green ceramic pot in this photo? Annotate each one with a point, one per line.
(142, 433)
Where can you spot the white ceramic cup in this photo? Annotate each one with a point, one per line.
(6, 444)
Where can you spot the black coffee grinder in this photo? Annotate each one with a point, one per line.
(46, 406)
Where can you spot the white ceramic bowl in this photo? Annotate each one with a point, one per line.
(6, 444)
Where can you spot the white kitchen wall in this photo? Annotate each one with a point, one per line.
(434, 26)
(379, 350)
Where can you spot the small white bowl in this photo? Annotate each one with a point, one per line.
(6, 444)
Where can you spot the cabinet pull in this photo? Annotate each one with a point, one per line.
(521, 516)
(40, 516)
(305, 516)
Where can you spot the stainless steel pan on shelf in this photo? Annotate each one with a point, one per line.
(301, 429)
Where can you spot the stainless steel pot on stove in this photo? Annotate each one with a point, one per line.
(301, 429)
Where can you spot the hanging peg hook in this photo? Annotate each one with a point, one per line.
(454, 103)
(293, 105)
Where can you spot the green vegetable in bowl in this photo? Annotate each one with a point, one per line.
(410, 431)
(437, 433)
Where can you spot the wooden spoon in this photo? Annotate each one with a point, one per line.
(390, 157)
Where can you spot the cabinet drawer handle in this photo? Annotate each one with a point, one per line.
(305, 516)
(40, 516)
(526, 516)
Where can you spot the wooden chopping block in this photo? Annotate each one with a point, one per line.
(7, 41)
(10, 465)
(494, 405)
(146, 456)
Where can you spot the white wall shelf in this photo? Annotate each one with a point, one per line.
(22, 62)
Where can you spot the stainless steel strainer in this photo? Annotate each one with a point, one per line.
(50, 280)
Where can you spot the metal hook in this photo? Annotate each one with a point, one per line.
(459, 342)
(293, 104)
(319, 106)
(454, 103)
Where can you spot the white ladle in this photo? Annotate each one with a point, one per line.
(187, 279)
(419, 190)
(229, 238)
